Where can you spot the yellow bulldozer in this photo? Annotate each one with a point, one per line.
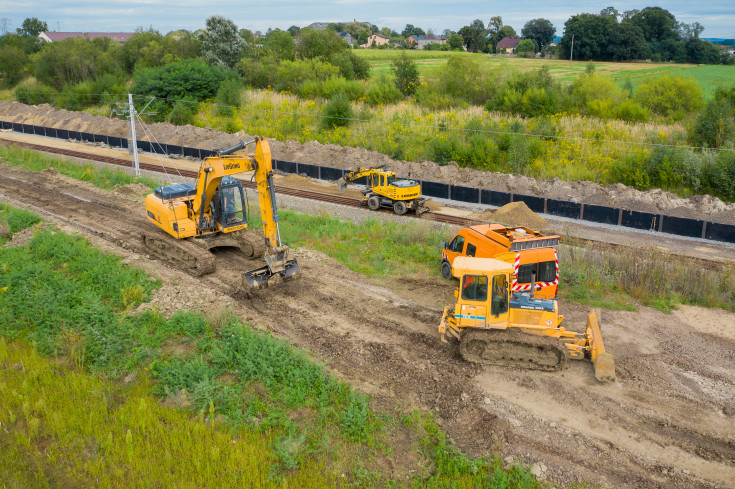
(497, 327)
(385, 190)
(212, 212)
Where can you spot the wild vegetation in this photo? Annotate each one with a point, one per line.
(643, 125)
(251, 409)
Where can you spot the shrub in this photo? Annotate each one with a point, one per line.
(383, 92)
(258, 73)
(670, 96)
(715, 125)
(351, 66)
(526, 48)
(723, 176)
(407, 75)
(291, 74)
(71, 61)
(189, 79)
(328, 88)
(13, 61)
(337, 112)
(32, 92)
(596, 95)
(228, 96)
(183, 112)
(631, 111)
(531, 94)
(464, 81)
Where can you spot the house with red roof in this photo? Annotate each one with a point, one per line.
(509, 44)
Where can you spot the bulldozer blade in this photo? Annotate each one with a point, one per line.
(604, 362)
(341, 185)
(605, 368)
(262, 278)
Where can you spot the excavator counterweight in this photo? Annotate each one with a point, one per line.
(212, 213)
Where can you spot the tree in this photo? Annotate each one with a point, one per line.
(591, 33)
(75, 60)
(701, 52)
(294, 30)
(474, 36)
(410, 30)
(626, 42)
(280, 44)
(507, 31)
(221, 42)
(13, 61)
(312, 43)
(715, 125)
(612, 11)
(32, 27)
(540, 30)
(657, 24)
(455, 41)
(407, 75)
(493, 29)
(526, 47)
(690, 31)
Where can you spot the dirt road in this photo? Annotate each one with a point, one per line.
(668, 421)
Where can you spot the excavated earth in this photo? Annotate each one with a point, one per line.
(668, 421)
(618, 195)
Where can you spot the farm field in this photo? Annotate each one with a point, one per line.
(708, 76)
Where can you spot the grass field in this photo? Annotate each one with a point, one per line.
(708, 76)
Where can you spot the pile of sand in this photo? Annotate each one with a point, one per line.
(316, 153)
(134, 190)
(513, 214)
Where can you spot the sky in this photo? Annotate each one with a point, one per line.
(717, 16)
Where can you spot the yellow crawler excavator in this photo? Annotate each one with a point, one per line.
(211, 213)
(497, 327)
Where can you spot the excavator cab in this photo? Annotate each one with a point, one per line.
(229, 204)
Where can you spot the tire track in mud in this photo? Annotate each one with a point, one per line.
(671, 397)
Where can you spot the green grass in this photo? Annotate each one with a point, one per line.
(708, 76)
(252, 410)
(103, 177)
(379, 249)
(13, 220)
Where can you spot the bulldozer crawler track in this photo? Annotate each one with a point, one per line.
(182, 254)
(514, 349)
(252, 244)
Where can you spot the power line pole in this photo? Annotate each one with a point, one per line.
(571, 52)
(131, 115)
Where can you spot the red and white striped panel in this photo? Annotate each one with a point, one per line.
(516, 286)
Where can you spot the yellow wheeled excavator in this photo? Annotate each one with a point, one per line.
(385, 190)
(497, 327)
(211, 212)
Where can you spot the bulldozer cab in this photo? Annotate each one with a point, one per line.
(484, 293)
(229, 204)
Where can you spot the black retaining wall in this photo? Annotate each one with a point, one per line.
(680, 226)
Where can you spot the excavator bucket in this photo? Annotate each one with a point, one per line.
(262, 278)
(604, 362)
(341, 185)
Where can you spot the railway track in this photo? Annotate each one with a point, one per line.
(334, 199)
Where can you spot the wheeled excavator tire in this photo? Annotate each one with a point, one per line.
(509, 348)
(181, 253)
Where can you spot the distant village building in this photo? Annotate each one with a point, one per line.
(60, 36)
(509, 44)
(378, 39)
(421, 41)
(347, 37)
(318, 25)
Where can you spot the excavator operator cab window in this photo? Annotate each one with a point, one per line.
(232, 208)
(499, 304)
(391, 179)
(474, 288)
(376, 180)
